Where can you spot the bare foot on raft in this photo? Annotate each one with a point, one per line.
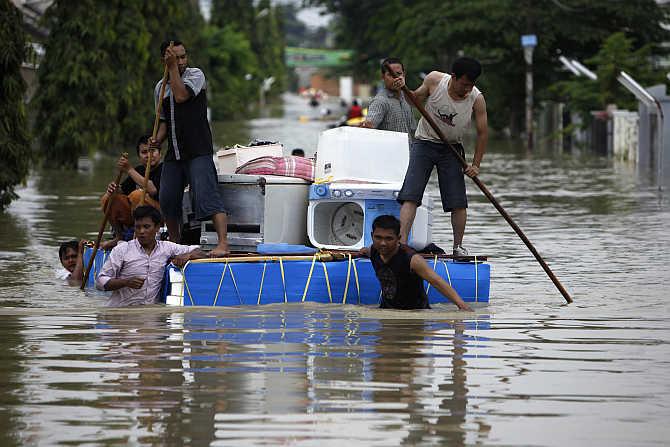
(220, 251)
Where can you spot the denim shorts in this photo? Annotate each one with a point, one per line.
(200, 174)
(422, 157)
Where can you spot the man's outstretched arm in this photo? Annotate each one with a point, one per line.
(421, 268)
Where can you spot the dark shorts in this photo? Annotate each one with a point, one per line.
(423, 156)
(200, 174)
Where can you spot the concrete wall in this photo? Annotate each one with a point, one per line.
(625, 135)
(649, 156)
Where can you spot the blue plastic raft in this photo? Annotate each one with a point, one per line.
(286, 279)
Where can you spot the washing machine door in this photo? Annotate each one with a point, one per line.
(347, 224)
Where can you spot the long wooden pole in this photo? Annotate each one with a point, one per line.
(408, 93)
(159, 106)
(108, 209)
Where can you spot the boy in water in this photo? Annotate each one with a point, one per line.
(71, 258)
(129, 197)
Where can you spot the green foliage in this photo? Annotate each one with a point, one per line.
(430, 34)
(14, 140)
(230, 62)
(101, 64)
(616, 55)
(261, 25)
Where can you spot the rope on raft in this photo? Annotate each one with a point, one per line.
(227, 266)
(321, 257)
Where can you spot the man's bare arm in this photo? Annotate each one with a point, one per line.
(421, 268)
(161, 134)
(428, 86)
(135, 282)
(481, 122)
(138, 178)
(78, 272)
(177, 87)
(181, 260)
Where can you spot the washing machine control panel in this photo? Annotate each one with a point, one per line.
(353, 191)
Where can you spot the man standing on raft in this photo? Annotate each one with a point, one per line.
(451, 99)
(189, 156)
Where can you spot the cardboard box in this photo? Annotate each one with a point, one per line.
(228, 160)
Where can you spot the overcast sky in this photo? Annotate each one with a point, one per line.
(310, 16)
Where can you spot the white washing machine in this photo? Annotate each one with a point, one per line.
(340, 215)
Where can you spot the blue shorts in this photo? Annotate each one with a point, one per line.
(200, 174)
(422, 157)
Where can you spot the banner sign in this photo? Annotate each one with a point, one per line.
(314, 57)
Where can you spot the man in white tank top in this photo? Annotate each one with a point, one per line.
(451, 99)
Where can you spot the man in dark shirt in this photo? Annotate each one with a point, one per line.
(130, 196)
(401, 271)
(188, 159)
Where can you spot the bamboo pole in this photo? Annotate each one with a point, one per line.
(159, 106)
(103, 224)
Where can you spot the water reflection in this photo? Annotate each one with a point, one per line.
(531, 372)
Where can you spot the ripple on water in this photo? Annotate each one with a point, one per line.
(524, 370)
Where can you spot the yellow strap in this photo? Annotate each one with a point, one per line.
(309, 278)
(476, 282)
(183, 275)
(434, 269)
(346, 285)
(321, 180)
(358, 286)
(260, 291)
(325, 272)
(283, 280)
(447, 270)
(232, 276)
(218, 289)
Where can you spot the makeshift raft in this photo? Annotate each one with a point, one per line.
(321, 278)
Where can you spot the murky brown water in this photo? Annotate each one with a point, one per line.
(526, 370)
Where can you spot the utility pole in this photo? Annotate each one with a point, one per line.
(529, 42)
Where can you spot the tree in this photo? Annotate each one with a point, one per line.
(615, 55)
(90, 78)
(430, 34)
(268, 43)
(261, 25)
(15, 150)
(101, 64)
(232, 71)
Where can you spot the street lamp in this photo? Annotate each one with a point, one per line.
(583, 70)
(645, 98)
(529, 42)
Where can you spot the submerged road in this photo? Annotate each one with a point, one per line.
(525, 370)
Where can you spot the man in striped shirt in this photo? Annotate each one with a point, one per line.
(134, 270)
(389, 110)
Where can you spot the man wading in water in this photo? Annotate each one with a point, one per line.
(134, 270)
(401, 271)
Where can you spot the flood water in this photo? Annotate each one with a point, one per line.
(526, 370)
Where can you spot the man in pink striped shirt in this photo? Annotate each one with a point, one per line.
(134, 270)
